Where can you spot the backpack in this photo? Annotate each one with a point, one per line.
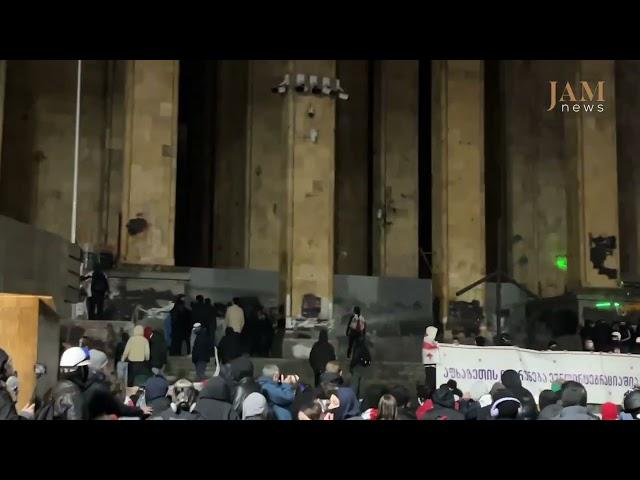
(99, 282)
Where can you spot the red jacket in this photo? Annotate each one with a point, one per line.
(423, 409)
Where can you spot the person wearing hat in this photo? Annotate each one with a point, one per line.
(201, 351)
(444, 406)
(511, 380)
(505, 406)
(255, 407)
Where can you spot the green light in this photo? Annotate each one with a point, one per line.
(603, 305)
(616, 304)
(561, 262)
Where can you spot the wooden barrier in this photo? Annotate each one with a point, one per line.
(30, 334)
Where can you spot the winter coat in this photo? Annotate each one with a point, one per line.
(321, 354)
(405, 413)
(7, 407)
(241, 370)
(511, 380)
(349, 404)
(234, 318)
(214, 401)
(137, 348)
(68, 401)
(156, 389)
(100, 401)
(202, 347)
(443, 406)
(279, 397)
(550, 412)
(575, 412)
(255, 407)
(157, 350)
(230, 347)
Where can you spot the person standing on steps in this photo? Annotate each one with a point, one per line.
(356, 328)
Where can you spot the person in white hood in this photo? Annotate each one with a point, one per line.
(430, 356)
(137, 353)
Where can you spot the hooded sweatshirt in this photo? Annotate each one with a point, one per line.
(254, 407)
(444, 404)
(214, 401)
(156, 389)
(511, 380)
(243, 382)
(137, 348)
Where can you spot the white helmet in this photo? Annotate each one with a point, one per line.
(73, 358)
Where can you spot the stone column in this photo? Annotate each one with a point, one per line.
(307, 247)
(395, 233)
(266, 165)
(458, 179)
(149, 189)
(592, 182)
(536, 184)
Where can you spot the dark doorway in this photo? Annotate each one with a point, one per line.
(195, 163)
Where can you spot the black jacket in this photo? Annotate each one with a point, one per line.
(202, 347)
(214, 401)
(241, 370)
(406, 414)
(68, 401)
(443, 406)
(321, 354)
(230, 347)
(100, 401)
(157, 350)
(7, 407)
(511, 380)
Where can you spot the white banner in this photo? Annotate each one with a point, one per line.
(606, 376)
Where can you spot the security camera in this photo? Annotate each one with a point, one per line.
(342, 95)
(315, 87)
(301, 86)
(326, 86)
(282, 87)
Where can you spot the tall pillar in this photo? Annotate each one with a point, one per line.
(592, 182)
(395, 233)
(230, 165)
(352, 170)
(308, 222)
(536, 184)
(458, 179)
(3, 77)
(151, 112)
(266, 165)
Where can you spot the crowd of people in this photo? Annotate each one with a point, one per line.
(87, 390)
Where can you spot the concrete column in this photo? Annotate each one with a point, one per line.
(458, 179)
(151, 99)
(628, 141)
(3, 77)
(352, 170)
(266, 165)
(308, 222)
(592, 182)
(536, 183)
(395, 233)
(230, 165)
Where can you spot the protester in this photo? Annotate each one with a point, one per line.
(609, 411)
(214, 401)
(505, 406)
(546, 398)
(201, 352)
(210, 323)
(403, 398)
(321, 353)
(484, 413)
(230, 346)
(424, 400)
(234, 316)
(573, 397)
(356, 329)
(180, 326)
(199, 312)
(137, 353)
(157, 349)
(67, 396)
(241, 371)
(9, 387)
(602, 336)
(444, 404)
(254, 407)
(360, 361)
(478, 397)
(183, 398)
(631, 405)
(278, 390)
(387, 408)
(511, 380)
(155, 391)
(99, 400)
(98, 289)
(349, 404)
